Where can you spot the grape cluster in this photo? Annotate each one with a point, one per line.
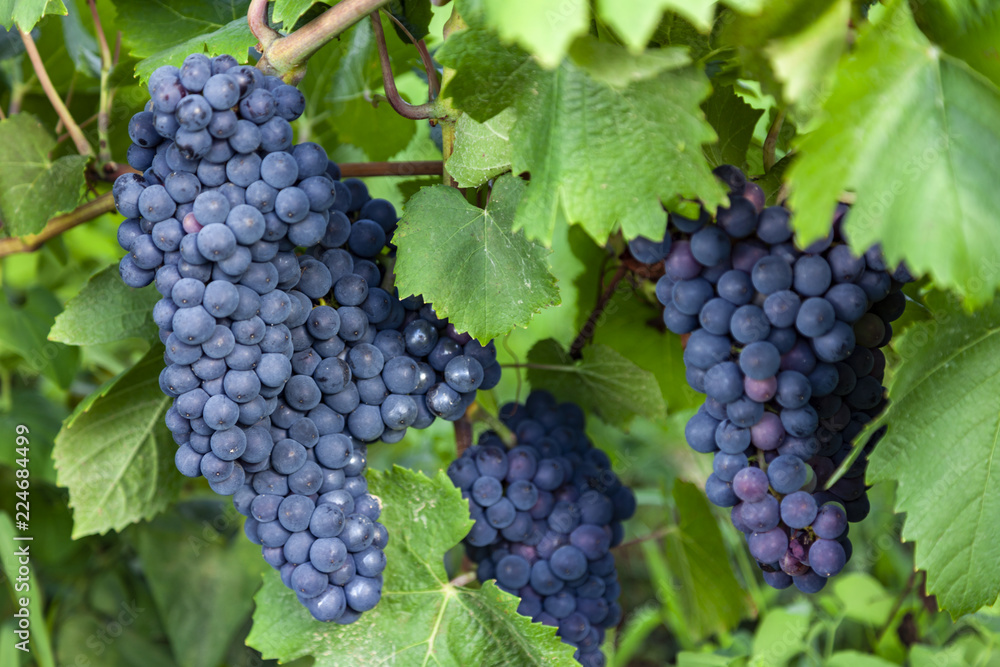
(547, 513)
(785, 344)
(287, 347)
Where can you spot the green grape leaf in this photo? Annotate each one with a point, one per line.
(734, 121)
(863, 598)
(482, 150)
(545, 28)
(423, 618)
(804, 62)
(572, 131)
(634, 329)
(944, 393)
(616, 67)
(233, 38)
(490, 76)
(857, 659)
(106, 310)
(636, 21)
(288, 12)
(34, 188)
(23, 330)
(27, 13)
(779, 638)
(581, 167)
(602, 382)
(697, 659)
(967, 30)
(117, 459)
(467, 261)
(202, 582)
(131, 647)
(381, 131)
(149, 27)
(80, 44)
(698, 559)
(415, 15)
(914, 133)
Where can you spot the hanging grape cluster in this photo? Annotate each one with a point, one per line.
(547, 512)
(287, 347)
(785, 344)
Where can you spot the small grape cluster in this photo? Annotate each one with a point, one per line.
(547, 513)
(284, 353)
(785, 344)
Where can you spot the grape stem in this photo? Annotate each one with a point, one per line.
(57, 225)
(105, 203)
(106, 94)
(588, 328)
(463, 434)
(399, 105)
(476, 413)
(903, 594)
(286, 56)
(433, 85)
(257, 19)
(82, 145)
(771, 141)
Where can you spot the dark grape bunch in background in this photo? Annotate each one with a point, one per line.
(287, 347)
(785, 343)
(547, 513)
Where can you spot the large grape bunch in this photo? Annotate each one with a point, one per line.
(287, 347)
(785, 344)
(547, 513)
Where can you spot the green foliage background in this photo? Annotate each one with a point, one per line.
(613, 107)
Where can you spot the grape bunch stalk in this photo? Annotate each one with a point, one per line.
(547, 513)
(785, 344)
(288, 349)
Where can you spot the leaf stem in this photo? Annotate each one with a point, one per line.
(455, 23)
(771, 141)
(463, 579)
(101, 39)
(415, 168)
(588, 328)
(540, 367)
(82, 146)
(6, 390)
(106, 95)
(287, 56)
(65, 135)
(655, 535)
(57, 225)
(399, 105)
